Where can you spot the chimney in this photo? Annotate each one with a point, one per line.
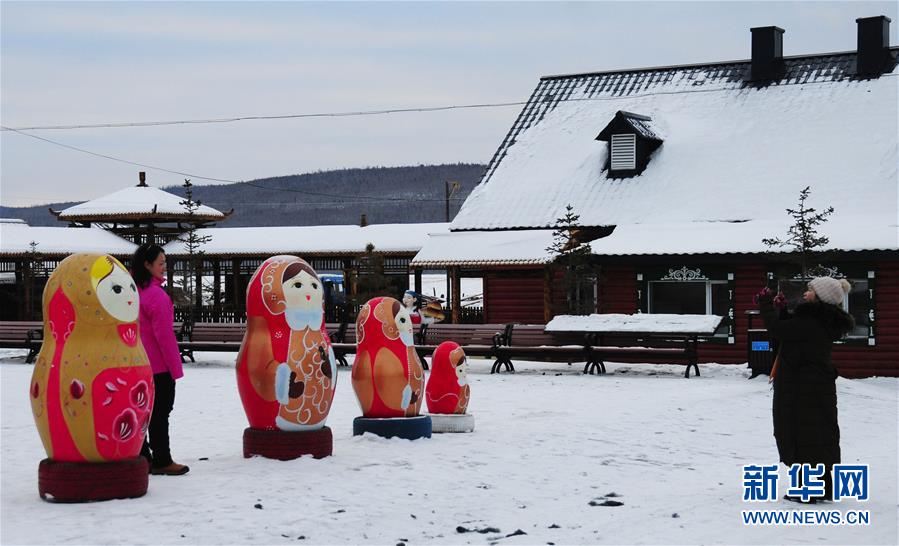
(363, 221)
(767, 53)
(873, 46)
(142, 176)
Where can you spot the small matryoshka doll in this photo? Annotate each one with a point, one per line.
(286, 371)
(447, 391)
(92, 387)
(387, 375)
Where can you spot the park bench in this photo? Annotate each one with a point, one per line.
(475, 339)
(18, 334)
(661, 339)
(532, 342)
(208, 336)
(343, 341)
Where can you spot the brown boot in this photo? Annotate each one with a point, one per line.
(173, 469)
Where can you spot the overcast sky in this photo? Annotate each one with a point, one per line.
(89, 63)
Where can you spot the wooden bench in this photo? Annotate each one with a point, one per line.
(531, 342)
(18, 334)
(343, 341)
(657, 347)
(475, 339)
(208, 336)
(654, 338)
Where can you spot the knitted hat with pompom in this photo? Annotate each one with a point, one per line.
(830, 290)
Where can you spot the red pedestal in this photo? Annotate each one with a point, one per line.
(287, 445)
(87, 482)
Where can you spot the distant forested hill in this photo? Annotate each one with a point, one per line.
(384, 194)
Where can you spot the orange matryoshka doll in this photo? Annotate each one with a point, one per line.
(448, 391)
(387, 375)
(92, 387)
(286, 370)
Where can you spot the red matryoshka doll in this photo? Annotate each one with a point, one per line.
(387, 375)
(286, 370)
(92, 387)
(447, 391)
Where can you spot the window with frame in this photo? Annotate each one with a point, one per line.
(700, 297)
(857, 302)
(582, 294)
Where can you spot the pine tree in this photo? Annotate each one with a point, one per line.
(803, 236)
(35, 269)
(193, 242)
(574, 257)
(372, 281)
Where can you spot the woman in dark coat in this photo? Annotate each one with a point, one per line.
(805, 397)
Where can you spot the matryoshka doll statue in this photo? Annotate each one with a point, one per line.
(448, 393)
(92, 388)
(387, 375)
(286, 371)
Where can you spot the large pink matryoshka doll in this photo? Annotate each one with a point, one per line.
(388, 377)
(448, 393)
(92, 387)
(286, 371)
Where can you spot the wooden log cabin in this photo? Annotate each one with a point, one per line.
(678, 173)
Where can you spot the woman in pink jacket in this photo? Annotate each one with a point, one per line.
(158, 337)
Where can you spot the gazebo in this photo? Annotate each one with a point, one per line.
(362, 255)
(141, 213)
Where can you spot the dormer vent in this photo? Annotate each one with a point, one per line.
(873, 46)
(767, 54)
(631, 142)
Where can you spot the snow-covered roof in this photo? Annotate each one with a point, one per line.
(520, 247)
(845, 233)
(136, 202)
(340, 239)
(16, 238)
(614, 322)
(732, 153)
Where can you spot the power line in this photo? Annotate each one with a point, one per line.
(371, 199)
(386, 111)
(117, 125)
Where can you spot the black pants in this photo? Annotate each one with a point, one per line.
(156, 445)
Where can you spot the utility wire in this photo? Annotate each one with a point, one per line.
(257, 118)
(370, 199)
(355, 113)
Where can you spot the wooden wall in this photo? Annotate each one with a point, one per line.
(514, 297)
(518, 297)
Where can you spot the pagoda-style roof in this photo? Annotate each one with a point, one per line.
(138, 203)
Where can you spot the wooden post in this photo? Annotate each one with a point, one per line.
(456, 294)
(198, 288)
(417, 273)
(170, 278)
(27, 284)
(235, 288)
(547, 293)
(217, 287)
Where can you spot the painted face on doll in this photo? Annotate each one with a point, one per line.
(404, 325)
(461, 368)
(303, 295)
(117, 293)
(408, 301)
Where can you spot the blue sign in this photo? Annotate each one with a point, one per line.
(761, 346)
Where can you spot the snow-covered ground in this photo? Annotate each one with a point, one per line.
(549, 441)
